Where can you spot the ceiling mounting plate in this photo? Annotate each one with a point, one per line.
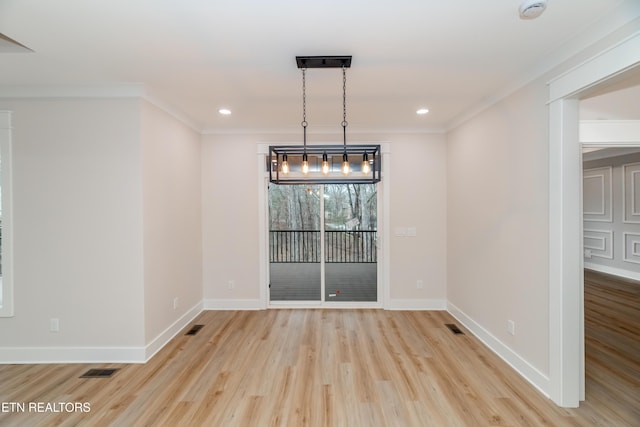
(323, 61)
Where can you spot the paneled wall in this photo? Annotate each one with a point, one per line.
(611, 208)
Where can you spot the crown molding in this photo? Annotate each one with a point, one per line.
(100, 91)
(627, 14)
(121, 90)
(322, 131)
(172, 111)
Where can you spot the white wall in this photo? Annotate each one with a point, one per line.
(171, 221)
(499, 229)
(77, 227)
(230, 217)
(107, 230)
(418, 199)
(497, 223)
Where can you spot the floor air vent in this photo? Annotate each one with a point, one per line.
(194, 329)
(454, 328)
(98, 373)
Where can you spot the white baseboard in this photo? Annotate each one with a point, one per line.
(524, 368)
(613, 271)
(256, 304)
(416, 304)
(167, 335)
(33, 355)
(233, 304)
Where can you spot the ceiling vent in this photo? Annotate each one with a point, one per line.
(531, 9)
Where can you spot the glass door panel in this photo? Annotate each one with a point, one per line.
(295, 254)
(350, 236)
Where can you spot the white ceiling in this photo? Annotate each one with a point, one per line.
(197, 56)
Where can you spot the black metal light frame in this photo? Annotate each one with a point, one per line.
(323, 61)
(368, 153)
(355, 152)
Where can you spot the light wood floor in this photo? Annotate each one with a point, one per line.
(303, 367)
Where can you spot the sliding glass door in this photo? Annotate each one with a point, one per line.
(295, 255)
(350, 236)
(323, 243)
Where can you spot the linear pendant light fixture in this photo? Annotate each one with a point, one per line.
(324, 164)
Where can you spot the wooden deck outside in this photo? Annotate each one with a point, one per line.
(344, 281)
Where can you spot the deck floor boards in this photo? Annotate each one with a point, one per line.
(344, 281)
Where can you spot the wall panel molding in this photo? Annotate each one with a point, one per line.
(630, 189)
(631, 250)
(598, 194)
(604, 247)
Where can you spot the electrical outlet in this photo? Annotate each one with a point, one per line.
(511, 327)
(175, 303)
(419, 284)
(232, 284)
(54, 325)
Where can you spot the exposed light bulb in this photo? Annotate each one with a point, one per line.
(366, 167)
(345, 164)
(285, 164)
(305, 164)
(325, 164)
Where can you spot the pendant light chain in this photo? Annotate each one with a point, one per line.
(345, 158)
(305, 159)
(365, 158)
(344, 106)
(304, 105)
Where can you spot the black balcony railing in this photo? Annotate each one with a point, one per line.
(294, 246)
(340, 246)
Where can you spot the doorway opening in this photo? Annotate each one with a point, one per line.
(610, 140)
(323, 244)
(566, 309)
(610, 289)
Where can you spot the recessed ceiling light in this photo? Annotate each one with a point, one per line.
(422, 111)
(224, 111)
